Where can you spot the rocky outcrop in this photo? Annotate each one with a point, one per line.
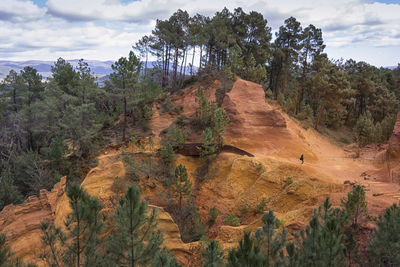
(21, 223)
(192, 149)
(247, 109)
(257, 127)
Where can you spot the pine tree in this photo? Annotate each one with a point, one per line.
(7, 257)
(204, 112)
(213, 256)
(329, 89)
(355, 204)
(236, 60)
(288, 39)
(125, 78)
(364, 130)
(312, 46)
(219, 121)
(248, 254)
(321, 243)
(9, 193)
(83, 226)
(384, 246)
(271, 244)
(182, 186)
(134, 239)
(5, 251)
(175, 137)
(167, 156)
(53, 241)
(164, 258)
(209, 148)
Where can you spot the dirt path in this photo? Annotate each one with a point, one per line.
(335, 164)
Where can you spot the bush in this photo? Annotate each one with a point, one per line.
(281, 100)
(269, 94)
(175, 137)
(232, 220)
(209, 149)
(180, 121)
(244, 208)
(192, 228)
(260, 206)
(118, 186)
(144, 113)
(260, 168)
(279, 223)
(212, 215)
(167, 156)
(219, 95)
(189, 81)
(289, 181)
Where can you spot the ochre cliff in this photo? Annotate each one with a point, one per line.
(21, 223)
(234, 183)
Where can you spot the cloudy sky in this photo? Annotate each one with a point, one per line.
(367, 30)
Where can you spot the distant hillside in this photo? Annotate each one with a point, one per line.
(99, 68)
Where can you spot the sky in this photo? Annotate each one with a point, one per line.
(364, 30)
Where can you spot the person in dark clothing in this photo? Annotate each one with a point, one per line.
(302, 159)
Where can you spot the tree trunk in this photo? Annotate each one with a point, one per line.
(145, 66)
(285, 77)
(78, 244)
(184, 70)
(301, 92)
(319, 116)
(175, 67)
(180, 71)
(131, 235)
(201, 54)
(124, 126)
(191, 67)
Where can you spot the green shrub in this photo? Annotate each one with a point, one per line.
(118, 186)
(167, 106)
(289, 181)
(279, 223)
(175, 137)
(260, 168)
(212, 215)
(269, 94)
(189, 81)
(260, 206)
(180, 121)
(244, 208)
(232, 220)
(281, 100)
(219, 95)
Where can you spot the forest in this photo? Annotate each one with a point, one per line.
(56, 127)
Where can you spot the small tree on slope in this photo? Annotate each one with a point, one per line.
(134, 240)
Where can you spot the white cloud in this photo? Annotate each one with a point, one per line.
(138, 12)
(19, 10)
(106, 29)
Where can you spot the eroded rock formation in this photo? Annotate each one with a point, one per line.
(21, 223)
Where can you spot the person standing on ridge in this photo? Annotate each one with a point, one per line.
(302, 159)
